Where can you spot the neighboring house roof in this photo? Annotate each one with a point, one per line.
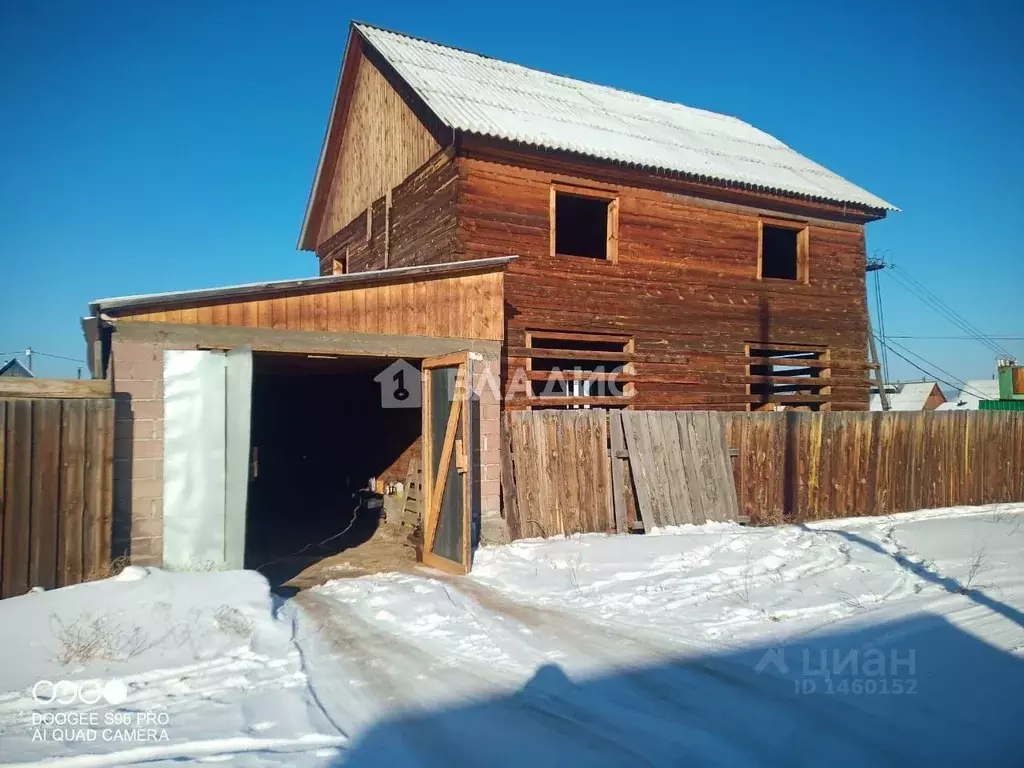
(15, 368)
(905, 396)
(968, 397)
(485, 96)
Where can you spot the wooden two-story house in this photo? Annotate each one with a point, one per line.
(697, 260)
(556, 243)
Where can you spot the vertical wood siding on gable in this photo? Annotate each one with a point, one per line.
(383, 143)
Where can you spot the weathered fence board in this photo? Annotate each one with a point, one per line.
(789, 467)
(810, 466)
(561, 472)
(56, 491)
(680, 465)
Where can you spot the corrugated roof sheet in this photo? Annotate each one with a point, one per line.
(481, 95)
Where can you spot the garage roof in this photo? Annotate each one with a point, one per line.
(149, 301)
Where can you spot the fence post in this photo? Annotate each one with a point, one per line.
(791, 468)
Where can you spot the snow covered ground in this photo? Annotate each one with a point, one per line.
(872, 641)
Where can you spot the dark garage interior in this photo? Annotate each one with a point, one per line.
(319, 434)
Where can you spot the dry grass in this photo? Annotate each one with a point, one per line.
(98, 638)
(113, 568)
(232, 621)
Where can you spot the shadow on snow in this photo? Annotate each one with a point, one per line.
(918, 691)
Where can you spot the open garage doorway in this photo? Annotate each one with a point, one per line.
(329, 469)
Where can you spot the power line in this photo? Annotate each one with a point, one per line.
(954, 338)
(967, 325)
(44, 354)
(921, 292)
(58, 357)
(931, 374)
(881, 325)
(946, 315)
(973, 328)
(927, 362)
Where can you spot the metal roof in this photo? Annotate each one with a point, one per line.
(974, 391)
(284, 287)
(16, 369)
(481, 95)
(905, 396)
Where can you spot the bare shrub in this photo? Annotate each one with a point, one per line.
(977, 565)
(232, 621)
(194, 566)
(746, 580)
(98, 638)
(113, 568)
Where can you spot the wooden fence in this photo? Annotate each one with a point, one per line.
(56, 483)
(593, 471)
(563, 471)
(811, 466)
(556, 473)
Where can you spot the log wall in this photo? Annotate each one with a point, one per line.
(685, 285)
(412, 225)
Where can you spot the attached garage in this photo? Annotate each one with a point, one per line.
(258, 421)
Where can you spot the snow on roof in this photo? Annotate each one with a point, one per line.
(974, 391)
(485, 96)
(15, 368)
(907, 396)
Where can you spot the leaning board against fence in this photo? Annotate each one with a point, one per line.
(679, 461)
(811, 466)
(56, 486)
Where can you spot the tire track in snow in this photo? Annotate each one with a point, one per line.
(655, 679)
(354, 638)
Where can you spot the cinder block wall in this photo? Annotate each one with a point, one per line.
(139, 451)
(492, 526)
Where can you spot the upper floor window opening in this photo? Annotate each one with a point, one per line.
(584, 222)
(782, 250)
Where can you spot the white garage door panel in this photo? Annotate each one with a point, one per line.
(194, 459)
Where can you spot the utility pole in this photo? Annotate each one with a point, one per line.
(873, 265)
(28, 358)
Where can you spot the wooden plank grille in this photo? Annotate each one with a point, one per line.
(56, 491)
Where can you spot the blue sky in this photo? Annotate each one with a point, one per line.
(170, 145)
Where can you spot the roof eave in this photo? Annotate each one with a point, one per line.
(866, 211)
(249, 291)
